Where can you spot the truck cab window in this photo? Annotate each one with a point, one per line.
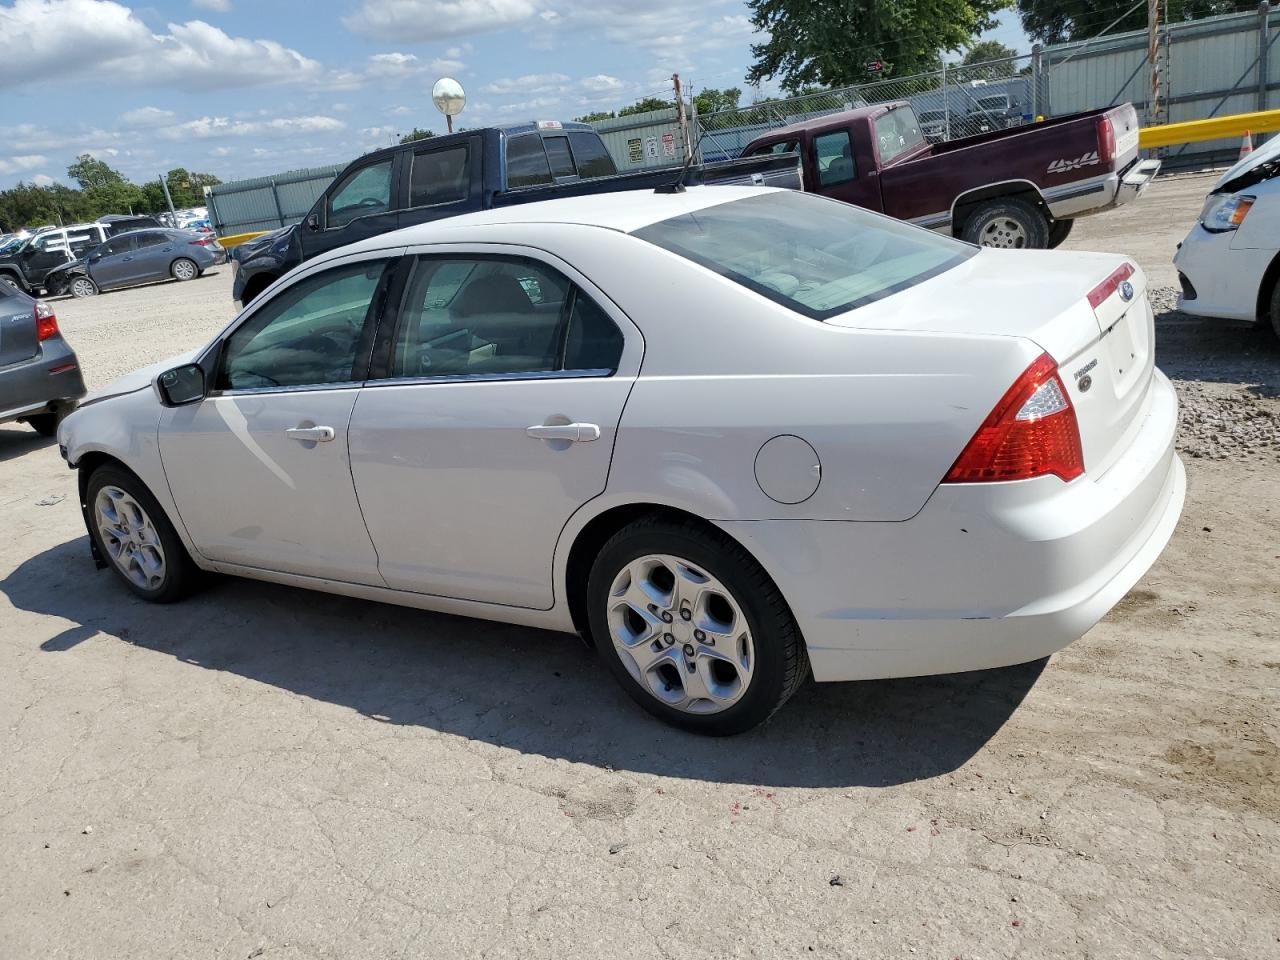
(834, 154)
(770, 149)
(526, 162)
(591, 157)
(439, 176)
(364, 191)
(897, 132)
(559, 156)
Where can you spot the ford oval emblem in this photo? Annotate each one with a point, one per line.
(1126, 291)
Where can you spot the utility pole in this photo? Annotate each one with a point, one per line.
(1154, 107)
(681, 118)
(164, 185)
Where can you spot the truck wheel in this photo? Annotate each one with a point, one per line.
(10, 282)
(1060, 230)
(1009, 223)
(1275, 309)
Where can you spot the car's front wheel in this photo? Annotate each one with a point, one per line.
(82, 287)
(135, 537)
(693, 627)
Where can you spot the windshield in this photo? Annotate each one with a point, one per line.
(816, 256)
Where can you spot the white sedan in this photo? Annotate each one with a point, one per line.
(1229, 264)
(729, 435)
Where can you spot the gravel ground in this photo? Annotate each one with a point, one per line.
(265, 772)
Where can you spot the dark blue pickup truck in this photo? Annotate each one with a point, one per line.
(472, 170)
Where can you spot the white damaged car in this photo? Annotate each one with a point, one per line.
(1229, 264)
(730, 435)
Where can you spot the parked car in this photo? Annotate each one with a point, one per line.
(143, 256)
(1020, 188)
(40, 378)
(933, 125)
(475, 170)
(122, 223)
(852, 444)
(26, 266)
(1229, 264)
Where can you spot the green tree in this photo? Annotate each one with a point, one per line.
(597, 115)
(417, 133)
(90, 172)
(987, 50)
(187, 187)
(1054, 21)
(711, 100)
(645, 105)
(832, 43)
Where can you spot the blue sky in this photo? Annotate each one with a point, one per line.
(251, 87)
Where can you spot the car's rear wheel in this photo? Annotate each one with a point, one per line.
(135, 537)
(82, 287)
(1009, 224)
(1275, 308)
(184, 269)
(693, 628)
(1059, 232)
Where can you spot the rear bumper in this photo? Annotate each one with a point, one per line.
(29, 388)
(986, 575)
(1102, 193)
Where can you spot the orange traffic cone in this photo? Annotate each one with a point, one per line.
(1246, 145)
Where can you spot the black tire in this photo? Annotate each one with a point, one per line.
(1059, 232)
(781, 660)
(1275, 308)
(997, 223)
(181, 575)
(174, 269)
(11, 282)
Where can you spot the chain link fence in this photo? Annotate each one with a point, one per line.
(953, 102)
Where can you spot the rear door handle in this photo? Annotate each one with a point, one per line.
(575, 432)
(312, 434)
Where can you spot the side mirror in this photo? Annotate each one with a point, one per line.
(313, 222)
(181, 385)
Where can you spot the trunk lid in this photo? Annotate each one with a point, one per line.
(1105, 354)
(17, 329)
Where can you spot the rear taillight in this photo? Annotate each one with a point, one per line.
(1106, 140)
(1110, 285)
(46, 322)
(203, 242)
(1032, 432)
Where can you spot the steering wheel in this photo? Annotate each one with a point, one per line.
(371, 202)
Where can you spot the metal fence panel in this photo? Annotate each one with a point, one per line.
(265, 203)
(643, 140)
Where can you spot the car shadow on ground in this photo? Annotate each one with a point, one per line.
(527, 690)
(18, 439)
(1218, 351)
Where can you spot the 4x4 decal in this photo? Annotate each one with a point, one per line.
(1065, 166)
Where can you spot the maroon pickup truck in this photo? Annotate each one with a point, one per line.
(1016, 187)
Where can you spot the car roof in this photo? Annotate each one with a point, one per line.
(624, 211)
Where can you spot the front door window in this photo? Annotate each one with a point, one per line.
(365, 191)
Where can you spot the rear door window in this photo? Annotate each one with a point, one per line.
(591, 157)
(527, 162)
(559, 156)
(439, 176)
(152, 239)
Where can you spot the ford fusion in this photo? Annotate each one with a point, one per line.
(732, 436)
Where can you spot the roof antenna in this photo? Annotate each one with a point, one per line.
(677, 185)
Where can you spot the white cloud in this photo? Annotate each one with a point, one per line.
(43, 180)
(206, 127)
(217, 6)
(427, 20)
(602, 83)
(47, 40)
(530, 83)
(20, 164)
(145, 117)
(399, 66)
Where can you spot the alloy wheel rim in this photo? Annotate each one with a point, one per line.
(130, 538)
(1005, 233)
(82, 288)
(183, 270)
(681, 634)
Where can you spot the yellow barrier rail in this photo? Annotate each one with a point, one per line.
(238, 238)
(1215, 128)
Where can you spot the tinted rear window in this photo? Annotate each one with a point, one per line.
(816, 256)
(592, 158)
(439, 176)
(526, 161)
(560, 157)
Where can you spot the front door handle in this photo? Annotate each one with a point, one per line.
(311, 434)
(575, 432)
